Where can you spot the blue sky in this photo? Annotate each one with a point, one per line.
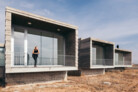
(111, 20)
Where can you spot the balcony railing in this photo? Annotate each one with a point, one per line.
(122, 62)
(102, 62)
(119, 62)
(57, 60)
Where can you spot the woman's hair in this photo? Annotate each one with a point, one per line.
(35, 47)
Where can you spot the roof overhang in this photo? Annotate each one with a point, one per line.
(40, 18)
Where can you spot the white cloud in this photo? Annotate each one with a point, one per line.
(43, 12)
(26, 5)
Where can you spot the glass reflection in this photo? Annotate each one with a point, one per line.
(33, 39)
(18, 46)
(50, 46)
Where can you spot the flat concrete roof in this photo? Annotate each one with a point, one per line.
(98, 40)
(102, 41)
(30, 15)
(122, 50)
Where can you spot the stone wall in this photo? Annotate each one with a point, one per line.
(24, 78)
(8, 40)
(84, 53)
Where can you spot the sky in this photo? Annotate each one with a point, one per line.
(111, 20)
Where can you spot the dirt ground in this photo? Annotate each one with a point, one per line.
(126, 81)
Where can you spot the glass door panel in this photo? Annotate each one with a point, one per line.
(47, 48)
(120, 58)
(116, 58)
(34, 39)
(59, 49)
(93, 55)
(19, 46)
(55, 51)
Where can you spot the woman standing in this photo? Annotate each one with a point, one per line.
(35, 55)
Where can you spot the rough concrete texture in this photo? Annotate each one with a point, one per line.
(25, 78)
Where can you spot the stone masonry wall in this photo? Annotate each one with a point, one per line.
(24, 78)
(8, 40)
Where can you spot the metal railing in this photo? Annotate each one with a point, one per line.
(102, 62)
(63, 60)
(119, 62)
(122, 62)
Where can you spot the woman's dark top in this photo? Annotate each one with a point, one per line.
(35, 55)
(35, 51)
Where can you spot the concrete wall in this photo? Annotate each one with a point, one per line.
(127, 55)
(23, 78)
(109, 54)
(71, 48)
(84, 53)
(8, 40)
(128, 58)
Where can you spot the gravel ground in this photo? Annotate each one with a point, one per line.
(126, 81)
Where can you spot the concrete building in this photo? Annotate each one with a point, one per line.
(123, 58)
(56, 41)
(95, 55)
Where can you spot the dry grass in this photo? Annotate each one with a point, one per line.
(126, 81)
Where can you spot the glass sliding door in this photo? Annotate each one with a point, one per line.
(116, 58)
(59, 49)
(52, 49)
(47, 48)
(33, 39)
(93, 56)
(120, 59)
(19, 54)
(55, 51)
(50, 45)
(98, 55)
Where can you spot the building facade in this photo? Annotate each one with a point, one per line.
(57, 43)
(95, 55)
(123, 58)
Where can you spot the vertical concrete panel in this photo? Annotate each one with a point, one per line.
(84, 53)
(7, 40)
(70, 42)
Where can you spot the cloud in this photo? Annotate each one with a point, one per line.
(43, 12)
(26, 5)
